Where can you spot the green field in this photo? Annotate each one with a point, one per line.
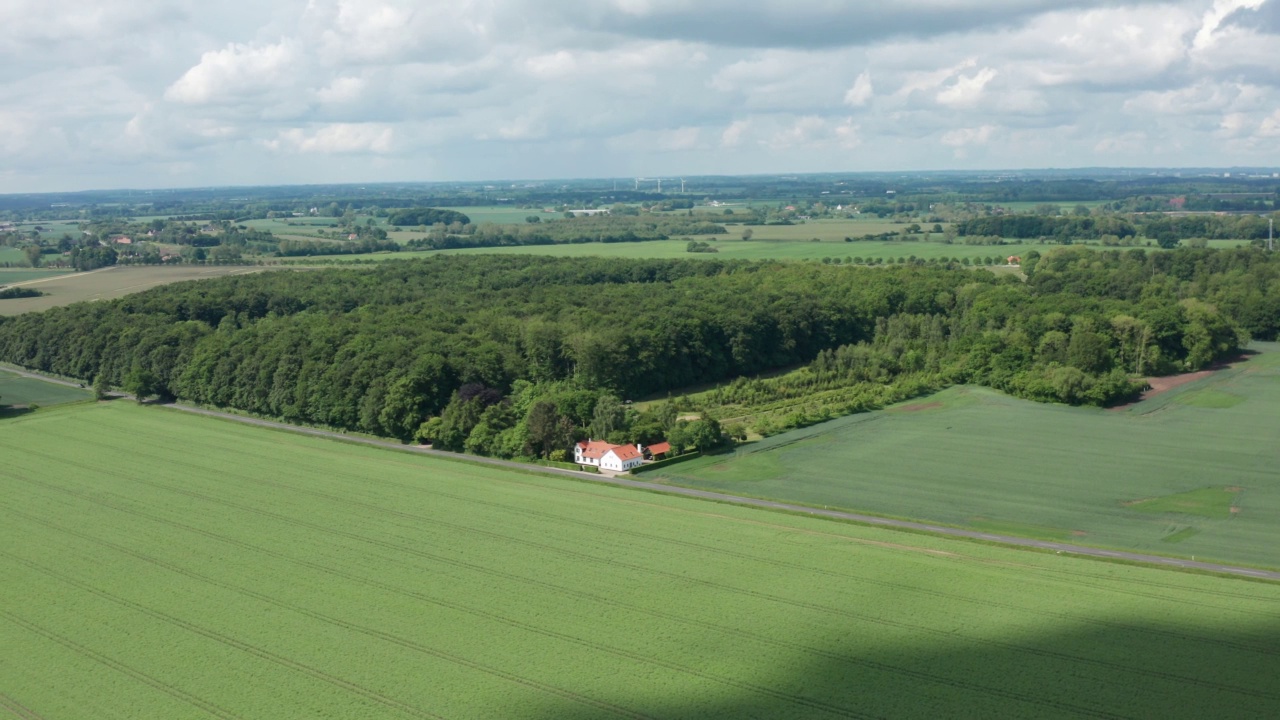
(13, 276)
(16, 390)
(163, 565)
(736, 249)
(973, 457)
(13, 256)
(108, 283)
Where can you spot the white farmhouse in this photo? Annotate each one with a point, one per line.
(608, 456)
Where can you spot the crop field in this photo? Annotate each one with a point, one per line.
(737, 249)
(1188, 472)
(503, 214)
(16, 390)
(13, 276)
(178, 566)
(111, 283)
(834, 230)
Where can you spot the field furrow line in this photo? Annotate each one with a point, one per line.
(492, 617)
(727, 588)
(18, 709)
(231, 642)
(418, 647)
(120, 667)
(617, 531)
(880, 666)
(706, 583)
(715, 550)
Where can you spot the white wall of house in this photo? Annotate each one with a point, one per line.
(610, 461)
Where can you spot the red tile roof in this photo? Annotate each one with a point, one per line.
(595, 449)
(626, 452)
(660, 448)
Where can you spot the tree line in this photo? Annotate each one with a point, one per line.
(514, 355)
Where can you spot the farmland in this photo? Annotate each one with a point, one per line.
(12, 276)
(184, 567)
(736, 249)
(1188, 472)
(64, 289)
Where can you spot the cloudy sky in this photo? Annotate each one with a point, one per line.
(172, 93)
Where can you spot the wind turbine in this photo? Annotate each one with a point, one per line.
(681, 186)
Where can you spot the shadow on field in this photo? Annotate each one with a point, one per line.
(8, 412)
(1126, 670)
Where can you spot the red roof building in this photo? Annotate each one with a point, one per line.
(608, 456)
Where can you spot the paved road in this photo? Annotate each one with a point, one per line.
(726, 498)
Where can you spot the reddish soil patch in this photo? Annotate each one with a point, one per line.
(1159, 385)
(1078, 533)
(920, 406)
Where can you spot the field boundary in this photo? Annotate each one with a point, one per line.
(859, 518)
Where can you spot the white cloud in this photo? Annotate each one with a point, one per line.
(1214, 16)
(1270, 127)
(235, 71)
(341, 90)
(338, 138)
(733, 135)
(861, 92)
(118, 92)
(962, 137)
(967, 89)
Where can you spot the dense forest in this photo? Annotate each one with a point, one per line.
(516, 356)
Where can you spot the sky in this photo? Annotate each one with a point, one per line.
(192, 93)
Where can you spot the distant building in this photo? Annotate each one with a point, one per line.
(1014, 260)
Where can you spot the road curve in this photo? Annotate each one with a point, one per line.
(1081, 550)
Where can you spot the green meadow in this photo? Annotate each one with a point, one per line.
(163, 565)
(1192, 471)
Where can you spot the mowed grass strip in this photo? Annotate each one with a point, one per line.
(192, 563)
(974, 457)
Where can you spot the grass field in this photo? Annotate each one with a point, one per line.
(111, 283)
(163, 565)
(976, 458)
(13, 256)
(16, 390)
